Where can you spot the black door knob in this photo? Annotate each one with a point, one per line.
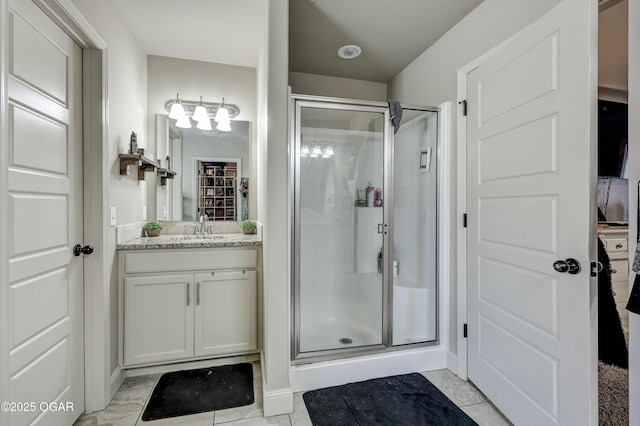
(78, 250)
(570, 265)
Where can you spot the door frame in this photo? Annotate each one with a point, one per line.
(461, 311)
(98, 388)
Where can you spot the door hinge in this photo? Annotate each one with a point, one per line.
(464, 107)
(464, 330)
(464, 220)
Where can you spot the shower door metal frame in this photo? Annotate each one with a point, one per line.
(297, 102)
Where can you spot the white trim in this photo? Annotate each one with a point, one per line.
(117, 378)
(318, 375)
(462, 208)
(98, 389)
(444, 223)
(452, 362)
(275, 403)
(4, 205)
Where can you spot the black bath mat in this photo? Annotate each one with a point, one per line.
(409, 400)
(197, 391)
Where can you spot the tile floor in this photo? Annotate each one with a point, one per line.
(129, 402)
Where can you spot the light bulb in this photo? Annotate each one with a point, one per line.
(329, 151)
(200, 112)
(177, 110)
(204, 124)
(183, 122)
(304, 150)
(317, 151)
(224, 126)
(222, 115)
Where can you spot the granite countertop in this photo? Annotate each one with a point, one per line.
(191, 241)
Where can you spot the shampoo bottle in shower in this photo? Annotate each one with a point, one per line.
(378, 198)
(369, 194)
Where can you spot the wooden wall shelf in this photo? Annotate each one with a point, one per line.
(164, 175)
(144, 164)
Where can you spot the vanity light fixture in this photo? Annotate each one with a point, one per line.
(177, 110)
(204, 124)
(183, 122)
(224, 126)
(316, 152)
(222, 114)
(201, 112)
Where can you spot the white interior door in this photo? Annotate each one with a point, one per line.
(45, 328)
(530, 179)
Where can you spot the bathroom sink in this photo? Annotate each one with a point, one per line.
(195, 237)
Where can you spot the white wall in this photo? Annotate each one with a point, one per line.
(127, 112)
(613, 35)
(273, 207)
(634, 177)
(212, 81)
(323, 85)
(432, 79)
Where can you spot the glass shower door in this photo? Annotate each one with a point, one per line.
(414, 228)
(339, 181)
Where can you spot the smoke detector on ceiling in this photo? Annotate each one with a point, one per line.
(350, 51)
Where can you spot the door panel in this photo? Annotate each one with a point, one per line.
(158, 302)
(220, 326)
(529, 174)
(45, 307)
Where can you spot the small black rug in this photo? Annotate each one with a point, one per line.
(196, 391)
(409, 400)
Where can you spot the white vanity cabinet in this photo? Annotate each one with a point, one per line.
(184, 304)
(225, 313)
(158, 318)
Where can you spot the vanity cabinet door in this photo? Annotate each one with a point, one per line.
(225, 313)
(158, 318)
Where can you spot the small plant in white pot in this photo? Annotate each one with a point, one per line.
(248, 227)
(152, 228)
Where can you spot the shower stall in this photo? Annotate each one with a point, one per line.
(365, 228)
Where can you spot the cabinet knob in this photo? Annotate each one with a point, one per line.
(618, 246)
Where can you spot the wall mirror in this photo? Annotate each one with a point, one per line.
(202, 160)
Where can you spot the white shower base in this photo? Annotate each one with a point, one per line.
(328, 335)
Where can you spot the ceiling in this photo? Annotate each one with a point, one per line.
(391, 34)
(229, 32)
(221, 31)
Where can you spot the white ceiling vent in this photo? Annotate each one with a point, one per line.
(349, 51)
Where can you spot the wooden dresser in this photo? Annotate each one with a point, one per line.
(616, 242)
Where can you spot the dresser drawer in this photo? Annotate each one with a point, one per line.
(136, 262)
(620, 270)
(616, 245)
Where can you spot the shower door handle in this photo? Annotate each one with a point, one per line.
(425, 160)
(382, 228)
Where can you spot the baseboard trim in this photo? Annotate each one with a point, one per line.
(117, 378)
(275, 403)
(278, 402)
(188, 365)
(452, 362)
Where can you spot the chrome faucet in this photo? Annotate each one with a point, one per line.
(201, 227)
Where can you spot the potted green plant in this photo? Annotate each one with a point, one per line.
(152, 228)
(248, 227)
